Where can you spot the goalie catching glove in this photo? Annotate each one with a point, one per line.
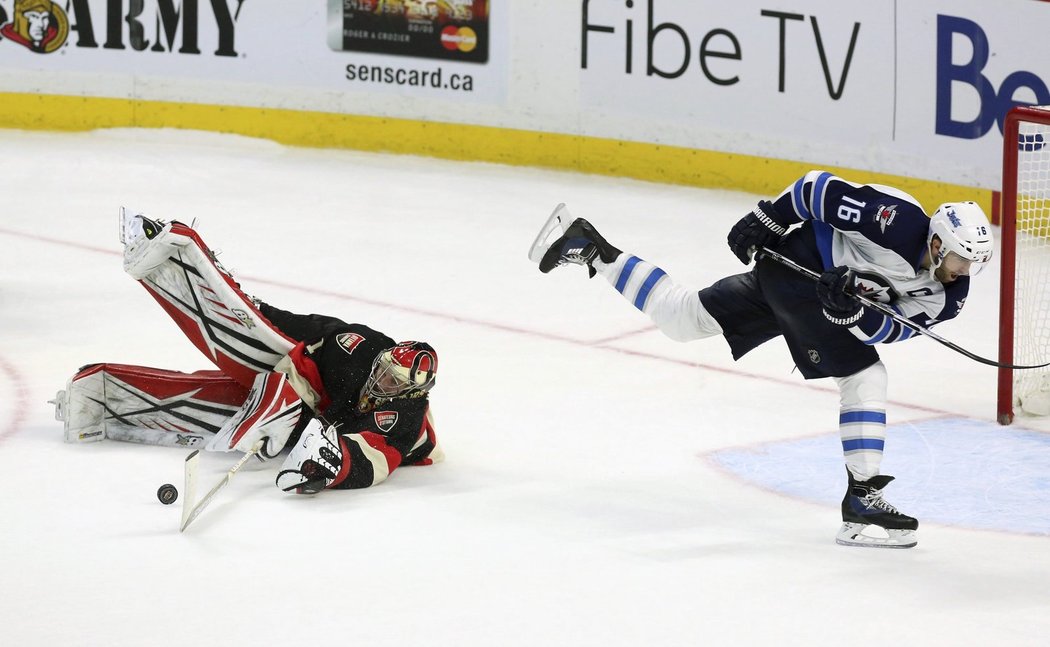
(271, 412)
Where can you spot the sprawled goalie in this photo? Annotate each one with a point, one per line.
(350, 402)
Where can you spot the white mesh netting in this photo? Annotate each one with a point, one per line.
(1032, 284)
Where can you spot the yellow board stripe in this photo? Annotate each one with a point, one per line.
(650, 162)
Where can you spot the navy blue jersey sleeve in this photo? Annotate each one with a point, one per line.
(889, 218)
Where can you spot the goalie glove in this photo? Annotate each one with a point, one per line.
(315, 463)
(271, 411)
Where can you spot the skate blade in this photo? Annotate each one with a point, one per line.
(871, 536)
(558, 221)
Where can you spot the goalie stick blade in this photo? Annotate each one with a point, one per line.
(191, 513)
(189, 487)
(558, 221)
(860, 534)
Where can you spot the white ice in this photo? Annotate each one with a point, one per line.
(579, 503)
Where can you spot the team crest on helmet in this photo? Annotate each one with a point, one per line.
(884, 216)
(385, 420)
(348, 341)
(38, 25)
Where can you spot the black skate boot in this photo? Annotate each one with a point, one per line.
(864, 509)
(579, 245)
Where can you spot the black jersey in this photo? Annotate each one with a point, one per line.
(334, 359)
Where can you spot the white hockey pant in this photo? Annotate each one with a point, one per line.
(676, 310)
(862, 419)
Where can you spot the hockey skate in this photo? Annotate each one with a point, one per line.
(564, 241)
(869, 520)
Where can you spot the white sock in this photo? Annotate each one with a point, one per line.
(862, 419)
(676, 310)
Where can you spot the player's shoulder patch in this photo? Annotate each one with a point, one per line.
(385, 420)
(348, 341)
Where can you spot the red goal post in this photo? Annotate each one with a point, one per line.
(1024, 296)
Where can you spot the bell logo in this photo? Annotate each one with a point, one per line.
(40, 26)
(993, 104)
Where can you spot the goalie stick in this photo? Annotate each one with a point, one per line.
(892, 314)
(191, 510)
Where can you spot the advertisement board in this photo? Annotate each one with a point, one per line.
(449, 49)
(915, 89)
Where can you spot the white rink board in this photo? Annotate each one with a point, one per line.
(775, 95)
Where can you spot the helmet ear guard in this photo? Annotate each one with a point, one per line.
(963, 229)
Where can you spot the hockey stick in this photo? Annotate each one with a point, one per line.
(892, 314)
(191, 510)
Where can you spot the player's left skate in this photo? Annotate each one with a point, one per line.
(869, 520)
(563, 242)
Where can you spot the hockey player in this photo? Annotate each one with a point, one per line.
(351, 402)
(862, 239)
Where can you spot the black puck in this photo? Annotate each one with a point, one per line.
(167, 494)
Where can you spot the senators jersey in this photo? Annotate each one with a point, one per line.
(329, 368)
(880, 233)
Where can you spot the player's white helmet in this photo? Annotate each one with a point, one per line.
(404, 370)
(964, 230)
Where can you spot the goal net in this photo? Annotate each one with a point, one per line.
(1024, 299)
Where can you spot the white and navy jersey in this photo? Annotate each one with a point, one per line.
(880, 232)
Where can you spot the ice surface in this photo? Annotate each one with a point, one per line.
(584, 500)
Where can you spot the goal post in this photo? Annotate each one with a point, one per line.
(1024, 296)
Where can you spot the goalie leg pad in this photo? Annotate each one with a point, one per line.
(180, 272)
(146, 405)
(272, 411)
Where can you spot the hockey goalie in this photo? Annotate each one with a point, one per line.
(350, 403)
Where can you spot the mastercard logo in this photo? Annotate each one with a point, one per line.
(462, 38)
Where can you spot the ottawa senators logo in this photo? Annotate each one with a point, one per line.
(348, 341)
(39, 25)
(385, 420)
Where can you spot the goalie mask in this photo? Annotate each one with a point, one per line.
(965, 235)
(404, 370)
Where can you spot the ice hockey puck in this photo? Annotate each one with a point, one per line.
(167, 494)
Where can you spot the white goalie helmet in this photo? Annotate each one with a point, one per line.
(963, 230)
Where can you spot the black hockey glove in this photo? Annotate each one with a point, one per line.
(760, 228)
(836, 289)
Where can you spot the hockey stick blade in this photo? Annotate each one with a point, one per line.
(560, 220)
(190, 513)
(892, 314)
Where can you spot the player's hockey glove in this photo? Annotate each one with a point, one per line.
(763, 227)
(836, 289)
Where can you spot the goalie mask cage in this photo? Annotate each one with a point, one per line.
(1024, 297)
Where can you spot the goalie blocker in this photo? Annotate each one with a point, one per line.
(277, 371)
